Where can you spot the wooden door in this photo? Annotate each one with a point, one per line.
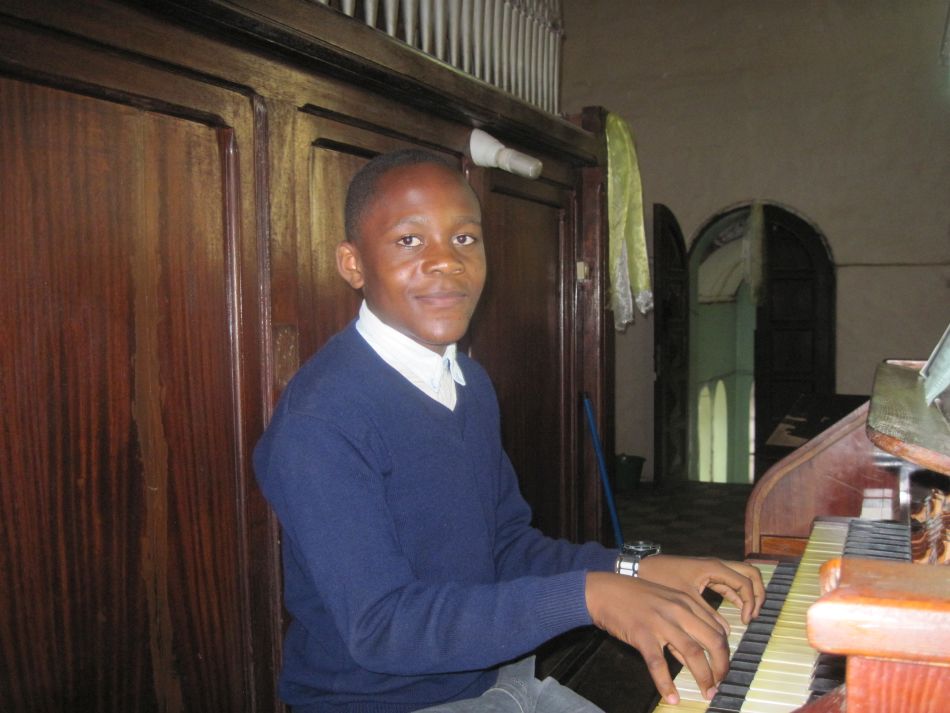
(522, 334)
(795, 333)
(670, 350)
(130, 387)
(522, 330)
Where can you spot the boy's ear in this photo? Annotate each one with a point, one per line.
(349, 265)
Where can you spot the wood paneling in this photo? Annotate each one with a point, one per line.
(828, 475)
(527, 246)
(124, 476)
(171, 198)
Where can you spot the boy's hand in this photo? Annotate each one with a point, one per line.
(738, 582)
(650, 616)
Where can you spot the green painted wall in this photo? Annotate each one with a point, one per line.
(722, 339)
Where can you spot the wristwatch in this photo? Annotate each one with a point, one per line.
(628, 561)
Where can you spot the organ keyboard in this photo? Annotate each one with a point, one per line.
(773, 669)
(771, 665)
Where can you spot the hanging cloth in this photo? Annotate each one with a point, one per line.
(628, 266)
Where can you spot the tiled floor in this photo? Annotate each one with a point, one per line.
(702, 519)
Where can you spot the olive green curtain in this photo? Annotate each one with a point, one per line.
(627, 247)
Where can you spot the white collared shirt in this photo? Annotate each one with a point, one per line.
(434, 375)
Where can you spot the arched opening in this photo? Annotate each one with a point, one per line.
(761, 329)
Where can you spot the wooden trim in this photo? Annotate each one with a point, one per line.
(594, 333)
(345, 48)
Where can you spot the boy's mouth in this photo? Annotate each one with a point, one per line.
(446, 298)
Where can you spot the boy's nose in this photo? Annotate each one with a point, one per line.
(443, 258)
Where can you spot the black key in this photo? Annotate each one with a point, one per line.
(743, 678)
(731, 689)
(722, 703)
(760, 627)
(823, 685)
(743, 667)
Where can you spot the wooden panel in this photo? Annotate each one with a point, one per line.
(592, 352)
(124, 504)
(71, 492)
(892, 620)
(826, 476)
(876, 685)
(670, 351)
(794, 338)
(519, 334)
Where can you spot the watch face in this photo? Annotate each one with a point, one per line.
(641, 547)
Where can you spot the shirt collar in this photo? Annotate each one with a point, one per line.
(405, 354)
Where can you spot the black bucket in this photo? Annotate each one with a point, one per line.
(629, 470)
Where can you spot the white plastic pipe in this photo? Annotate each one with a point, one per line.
(489, 152)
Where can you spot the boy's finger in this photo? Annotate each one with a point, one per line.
(660, 673)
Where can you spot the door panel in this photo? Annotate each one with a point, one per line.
(670, 350)
(124, 487)
(794, 342)
(519, 335)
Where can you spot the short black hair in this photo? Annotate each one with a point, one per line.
(363, 184)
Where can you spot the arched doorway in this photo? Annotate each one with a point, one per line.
(760, 314)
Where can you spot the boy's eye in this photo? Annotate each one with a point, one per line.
(409, 241)
(464, 239)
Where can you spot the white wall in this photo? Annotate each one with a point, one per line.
(836, 109)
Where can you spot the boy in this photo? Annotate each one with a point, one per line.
(411, 570)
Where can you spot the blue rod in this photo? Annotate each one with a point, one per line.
(608, 493)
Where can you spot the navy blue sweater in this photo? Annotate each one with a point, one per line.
(410, 566)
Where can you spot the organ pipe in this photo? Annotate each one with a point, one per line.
(514, 45)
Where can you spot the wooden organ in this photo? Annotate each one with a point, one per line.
(857, 624)
(847, 531)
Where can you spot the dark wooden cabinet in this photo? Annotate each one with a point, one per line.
(171, 183)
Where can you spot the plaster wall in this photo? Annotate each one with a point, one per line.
(838, 110)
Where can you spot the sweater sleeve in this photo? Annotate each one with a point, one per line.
(519, 548)
(352, 576)
(522, 549)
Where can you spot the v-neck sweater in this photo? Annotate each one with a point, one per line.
(411, 569)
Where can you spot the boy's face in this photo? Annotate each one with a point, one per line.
(419, 257)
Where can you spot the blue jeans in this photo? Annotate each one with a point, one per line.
(518, 691)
